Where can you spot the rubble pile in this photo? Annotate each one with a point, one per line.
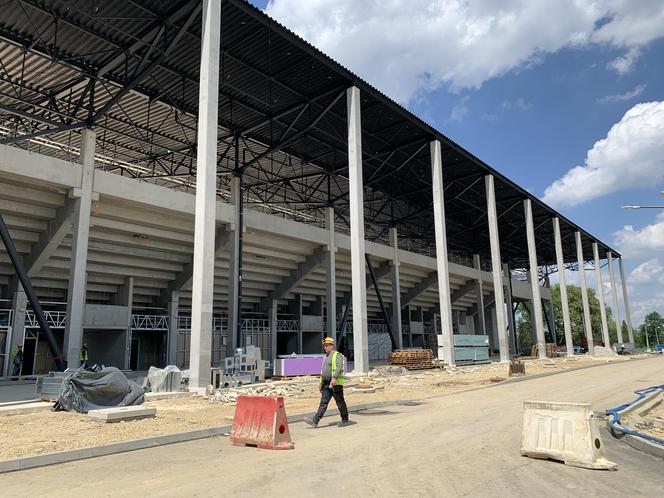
(229, 396)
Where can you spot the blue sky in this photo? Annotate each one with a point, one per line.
(534, 88)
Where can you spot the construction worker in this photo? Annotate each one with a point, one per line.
(83, 356)
(331, 384)
(17, 360)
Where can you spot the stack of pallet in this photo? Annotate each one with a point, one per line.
(551, 350)
(412, 359)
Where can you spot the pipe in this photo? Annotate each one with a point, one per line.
(30, 293)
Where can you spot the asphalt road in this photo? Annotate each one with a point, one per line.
(464, 444)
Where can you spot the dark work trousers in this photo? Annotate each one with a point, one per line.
(327, 393)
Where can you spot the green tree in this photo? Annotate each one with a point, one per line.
(653, 326)
(576, 314)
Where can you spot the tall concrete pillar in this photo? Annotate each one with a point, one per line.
(496, 268)
(76, 294)
(628, 312)
(552, 321)
(534, 280)
(300, 321)
(173, 325)
(396, 289)
(510, 308)
(331, 274)
(447, 330)
(234, 268)
(17, 330)
(202, 299)
(614, 298)
(584, 295)
(600, 295)
(560, 262)
(356, 197)
(125, 298)
(272, 322)
(481, 322)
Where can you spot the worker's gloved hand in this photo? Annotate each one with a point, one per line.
(333, 383)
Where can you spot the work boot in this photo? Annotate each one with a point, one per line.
(343, 423)
(311, 422)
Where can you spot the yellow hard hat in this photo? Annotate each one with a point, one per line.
(328, 340)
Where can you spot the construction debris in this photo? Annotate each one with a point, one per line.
(602, 352)
(229, 396)
(551, 350)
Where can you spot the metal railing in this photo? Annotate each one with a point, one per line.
(288, 325)
(6, 318)
(149, 322)
(55, 319)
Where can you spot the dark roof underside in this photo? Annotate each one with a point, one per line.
(130, 70)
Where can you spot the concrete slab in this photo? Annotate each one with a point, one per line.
(170, 395)
(123, 413)
(25, 408)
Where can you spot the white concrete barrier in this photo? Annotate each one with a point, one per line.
(563, 431)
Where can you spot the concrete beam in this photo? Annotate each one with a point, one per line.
(396, 288)
(296, 277)
(222, 242)
(331, 276)
(413, 293)
(463, 290)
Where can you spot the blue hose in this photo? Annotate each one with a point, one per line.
(614, 416)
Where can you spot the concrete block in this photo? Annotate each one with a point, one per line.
(123, 413)
(10, 465)
(53, 458)
(168, 395)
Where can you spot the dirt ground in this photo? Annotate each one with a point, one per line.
(654, 425)
(39, 433)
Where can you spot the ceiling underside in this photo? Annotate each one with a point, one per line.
(130, 71)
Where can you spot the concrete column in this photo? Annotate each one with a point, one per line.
(534, 280)
(272, 320)
(628, 312)
(331, 273)
(173, 311)
(298, 313)
(614, 298)
(496, 268)
(442, 266)
(234, 268)
(560, 262)
(600, 295)
(396, 289)
(584, 295)
(480, 295)
(202, 299)
(356, 197)
(73, 339)
(510, 309)
(552, 321)
(126, 298)
(17, 330)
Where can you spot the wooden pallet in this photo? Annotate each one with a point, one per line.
(414, 359)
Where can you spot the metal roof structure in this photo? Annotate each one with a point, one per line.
(130, 70)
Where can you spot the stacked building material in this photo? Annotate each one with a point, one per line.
(551, 350)
(412, 359)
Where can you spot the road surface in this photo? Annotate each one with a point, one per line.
(464, 444)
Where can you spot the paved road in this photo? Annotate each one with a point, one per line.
(465, 444)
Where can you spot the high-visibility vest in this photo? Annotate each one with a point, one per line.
(83, 355)
(340, 380)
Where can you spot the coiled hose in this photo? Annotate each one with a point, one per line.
(614, 416)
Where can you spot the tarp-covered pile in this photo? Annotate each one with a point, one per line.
(84, 391)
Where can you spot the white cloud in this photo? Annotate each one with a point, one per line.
(641, 243)
(405, 48)
(625, 63)
(460, 111)
(631, 155)
(647, 272)
(621, 97)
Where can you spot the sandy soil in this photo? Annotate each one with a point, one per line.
(47, 432)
